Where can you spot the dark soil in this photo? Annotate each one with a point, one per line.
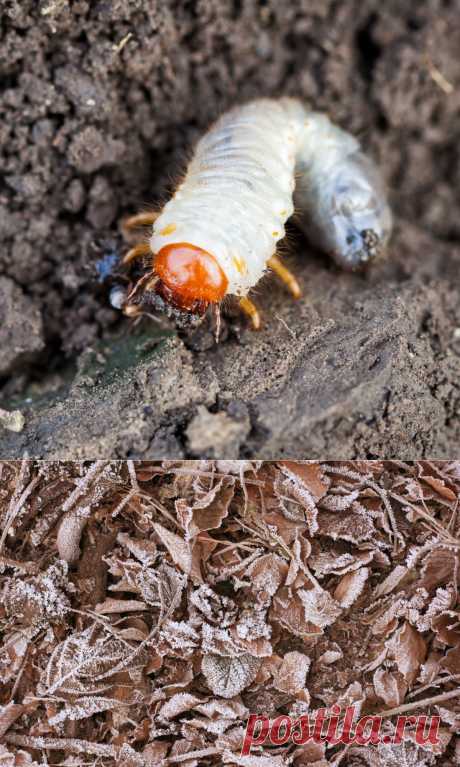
(95, 125)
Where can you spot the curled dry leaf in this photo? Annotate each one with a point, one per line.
(207, 512)
(440, 566)
(179, 550)
(109, 606)
(389, 686)
(351, 586)
(447, 624)
(69, 534)
(295, 499)
(408, 648)
(440, 487)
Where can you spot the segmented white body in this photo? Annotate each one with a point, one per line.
(239, 188)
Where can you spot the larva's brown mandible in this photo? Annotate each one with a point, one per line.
(218, 233)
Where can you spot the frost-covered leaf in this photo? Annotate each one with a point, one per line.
(403, 755)
(84, 663)
(440, 618)
(179, 635)
(350, 587)
(389, 686)
(40, 599)
(179, 550)
(144, 551)
(109, 606)
(216, 608)
(266, 575)
(296, 500)
(229, 676)
(347, 526)
(208, 511)
(319, 607)
(391, 581)
(82, 708)
(182, 701)
(339, 502)
(334, 562)
(230, 709)
(311, 474)
(292, 674)
(408, 648)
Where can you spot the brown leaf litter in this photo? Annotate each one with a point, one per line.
(147, 608)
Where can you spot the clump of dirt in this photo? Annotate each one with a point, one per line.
(21, 328)
(148, 608)
(101, 104)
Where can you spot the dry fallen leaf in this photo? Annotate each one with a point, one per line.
(229, 676)
(408, 648)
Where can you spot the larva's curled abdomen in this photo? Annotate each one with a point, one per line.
(218, 233)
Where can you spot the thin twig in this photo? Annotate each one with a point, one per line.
(16, 503)
(193, 755)
(419, 703)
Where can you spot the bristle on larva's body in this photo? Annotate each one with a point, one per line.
(240, 188)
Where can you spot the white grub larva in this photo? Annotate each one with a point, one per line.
(218, 234)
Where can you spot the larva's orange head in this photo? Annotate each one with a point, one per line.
(190, 277)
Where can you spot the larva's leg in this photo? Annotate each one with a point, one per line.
(147, 282)
(140, 219)
(251, 311)
(132, 310)
(285, 276)
(139, 251)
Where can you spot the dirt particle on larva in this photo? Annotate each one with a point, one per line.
(168, 229)
(275, 234)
